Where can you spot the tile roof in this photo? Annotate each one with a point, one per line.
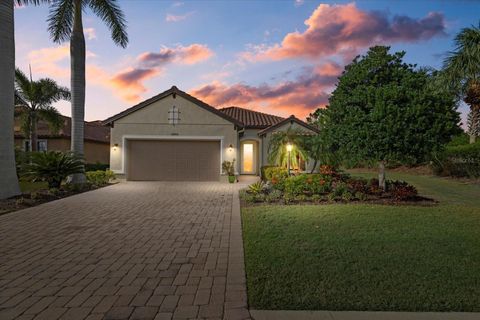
(290, 119)
(250, 118)
(93, 130)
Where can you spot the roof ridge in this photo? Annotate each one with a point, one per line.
(264, 113)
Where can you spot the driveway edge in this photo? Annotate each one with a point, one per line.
(236, 290)
(360, 315)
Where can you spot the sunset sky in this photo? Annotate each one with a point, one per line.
(280, 57)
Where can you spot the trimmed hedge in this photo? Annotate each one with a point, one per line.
(459, 160)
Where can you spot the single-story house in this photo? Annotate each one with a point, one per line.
(175, 136)
(96, 143)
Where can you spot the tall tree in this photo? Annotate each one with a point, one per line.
(9, 181)
(462, 71)
(65, 24)
(35, 99)
(384, 110)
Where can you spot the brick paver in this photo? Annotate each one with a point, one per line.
(136, 250)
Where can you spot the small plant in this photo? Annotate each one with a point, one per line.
(316, 198)
(228, 168)
(273, 196)
(257, 187)
(361, 196)
(52, 167)
(99, 177)
(347, 196)
(401, 190)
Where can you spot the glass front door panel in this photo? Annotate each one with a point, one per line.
(248, 157)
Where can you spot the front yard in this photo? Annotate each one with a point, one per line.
(368, 257)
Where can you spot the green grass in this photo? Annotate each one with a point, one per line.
(28, 186)
(368, 257)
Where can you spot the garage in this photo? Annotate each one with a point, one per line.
(173, 160)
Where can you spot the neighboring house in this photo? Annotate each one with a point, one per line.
(97, 139)
(174, 136)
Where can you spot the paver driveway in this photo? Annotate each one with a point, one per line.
(136, 250)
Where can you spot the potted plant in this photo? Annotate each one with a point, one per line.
(229, 168)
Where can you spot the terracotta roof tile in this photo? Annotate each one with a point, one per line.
(250, 118)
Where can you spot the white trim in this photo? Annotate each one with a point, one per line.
(164, 137)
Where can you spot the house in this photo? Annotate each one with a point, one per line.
(174, 136)
(96, 143)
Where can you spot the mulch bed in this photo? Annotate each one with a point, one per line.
(415, 201)
(28, 200)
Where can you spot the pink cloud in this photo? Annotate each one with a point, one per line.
(176, 18)
(150, 64)
(130, 82)
(341, 29)
(300, 97)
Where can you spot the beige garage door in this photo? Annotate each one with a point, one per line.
(173, 160)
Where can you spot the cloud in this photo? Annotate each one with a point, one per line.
(176, 18)
(301, 96)
(345, 29)
(90, 33)
(46, 61)
(130, 82)
(150, 64)
(299, 2)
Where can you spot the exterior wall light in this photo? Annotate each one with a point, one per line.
(289, 147)
(230, 147)
(115, 147)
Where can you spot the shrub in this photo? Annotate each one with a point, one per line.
(99, 177)
(52, 167)
(96, 166)
(273, 196)
(256, 188)
(229, 167)
(305, 184)
(262, 172)
(458, 161)
(401, 191)
(277, 176)
(339, 188)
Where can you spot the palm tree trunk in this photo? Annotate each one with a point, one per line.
(475, 125)
(8, 173)
(77, 64)
(33, 132)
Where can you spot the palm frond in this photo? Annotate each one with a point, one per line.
(109, 11)
(51, 92)
(52, 117)
(60, 20)
(31, 2)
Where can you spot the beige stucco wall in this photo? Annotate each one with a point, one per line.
(94, 151)
(151, 122)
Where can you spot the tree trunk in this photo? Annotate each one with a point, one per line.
(8, 173)
(33, 132)
(381, 175)
(77, 80)
(314, 166)
(475, 125)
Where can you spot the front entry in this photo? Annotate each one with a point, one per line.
(249, 157)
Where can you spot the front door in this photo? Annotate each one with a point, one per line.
(248, 158)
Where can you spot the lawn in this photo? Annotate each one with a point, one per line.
(368, 257)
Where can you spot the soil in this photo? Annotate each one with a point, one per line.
(28, 200)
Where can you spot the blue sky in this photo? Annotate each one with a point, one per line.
(255, 54)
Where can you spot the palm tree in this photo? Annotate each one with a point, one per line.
(277, 149)
(9, 186)
(462, 71)
(65, 24)
(35, 99)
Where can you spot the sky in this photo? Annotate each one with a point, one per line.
(281, 57)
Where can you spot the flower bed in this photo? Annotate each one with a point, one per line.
(328, 186)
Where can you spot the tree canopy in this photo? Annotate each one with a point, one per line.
(385, 110)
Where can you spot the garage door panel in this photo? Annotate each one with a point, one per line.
(173, 160)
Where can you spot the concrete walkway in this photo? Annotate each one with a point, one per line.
(135, 250)
(360, 315)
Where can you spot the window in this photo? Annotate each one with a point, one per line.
(41, 145)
